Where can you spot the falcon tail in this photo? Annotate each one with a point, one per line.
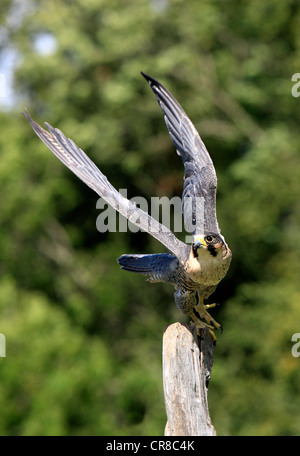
(136, 263)
(159, 267)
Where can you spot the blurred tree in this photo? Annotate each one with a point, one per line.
(83, 337)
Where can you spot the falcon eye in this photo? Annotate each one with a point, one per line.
(209, 238)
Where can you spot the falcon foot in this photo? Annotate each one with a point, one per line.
(200, 313)
(201, 309)
(201, 325)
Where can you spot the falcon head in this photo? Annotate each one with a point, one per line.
(209, 244)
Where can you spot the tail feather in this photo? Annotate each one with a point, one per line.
(157, 266)
(136, 263)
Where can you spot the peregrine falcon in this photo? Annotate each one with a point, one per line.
(194, 270)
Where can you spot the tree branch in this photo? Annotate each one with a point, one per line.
(187, 364)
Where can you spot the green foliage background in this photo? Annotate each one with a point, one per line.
(83, 337)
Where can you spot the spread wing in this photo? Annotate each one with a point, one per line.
(200, 180)
(81, 165)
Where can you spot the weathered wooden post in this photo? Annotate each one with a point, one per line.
(187, 364)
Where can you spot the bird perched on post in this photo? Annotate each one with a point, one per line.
(194, 270)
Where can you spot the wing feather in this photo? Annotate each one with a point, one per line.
(80, 164)
(200, 180)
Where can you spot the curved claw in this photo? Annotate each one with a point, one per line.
(202, 325)
(201, 312)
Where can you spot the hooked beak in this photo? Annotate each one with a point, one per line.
(199, 242)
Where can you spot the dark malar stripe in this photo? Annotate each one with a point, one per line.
(212, 250)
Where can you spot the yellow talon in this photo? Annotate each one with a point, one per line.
(209, 306)
(202, 325)
(203, 314)
(214, 337)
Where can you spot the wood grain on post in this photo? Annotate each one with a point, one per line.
(187, 364)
